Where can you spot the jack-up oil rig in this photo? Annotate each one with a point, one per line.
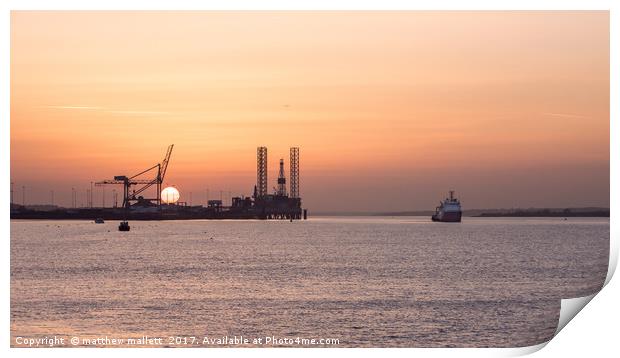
(278, 205)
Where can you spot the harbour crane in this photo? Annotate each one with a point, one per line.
(138, 183)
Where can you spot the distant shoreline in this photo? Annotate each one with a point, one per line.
(530, 212)
(58, 213)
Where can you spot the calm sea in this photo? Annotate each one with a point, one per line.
(363, 281)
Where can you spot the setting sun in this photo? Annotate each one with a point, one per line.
(170, 195)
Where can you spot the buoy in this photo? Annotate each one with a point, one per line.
(123, 226)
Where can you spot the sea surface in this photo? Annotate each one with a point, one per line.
(363, 281)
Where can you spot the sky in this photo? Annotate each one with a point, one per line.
(390, 109)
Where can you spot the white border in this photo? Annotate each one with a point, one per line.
(595, 325)
(310, 5)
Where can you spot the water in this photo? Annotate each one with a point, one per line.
(366, 281)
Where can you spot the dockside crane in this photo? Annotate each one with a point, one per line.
(134, 185)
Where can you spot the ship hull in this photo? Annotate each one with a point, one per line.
(447, 217)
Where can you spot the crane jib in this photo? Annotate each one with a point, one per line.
(142, 184)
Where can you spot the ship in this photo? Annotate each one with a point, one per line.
(448, 210)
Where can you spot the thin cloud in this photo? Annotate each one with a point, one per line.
(74, 107)
(565, 115)
(106, 110)
(138, 112)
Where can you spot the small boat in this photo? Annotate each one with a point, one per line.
(123, 226)
(449, 210)
(99, 221)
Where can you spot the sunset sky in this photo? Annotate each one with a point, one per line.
(390, 109)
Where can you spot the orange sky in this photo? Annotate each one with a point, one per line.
(390, 109)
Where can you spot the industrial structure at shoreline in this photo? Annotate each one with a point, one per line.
(280, 204)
